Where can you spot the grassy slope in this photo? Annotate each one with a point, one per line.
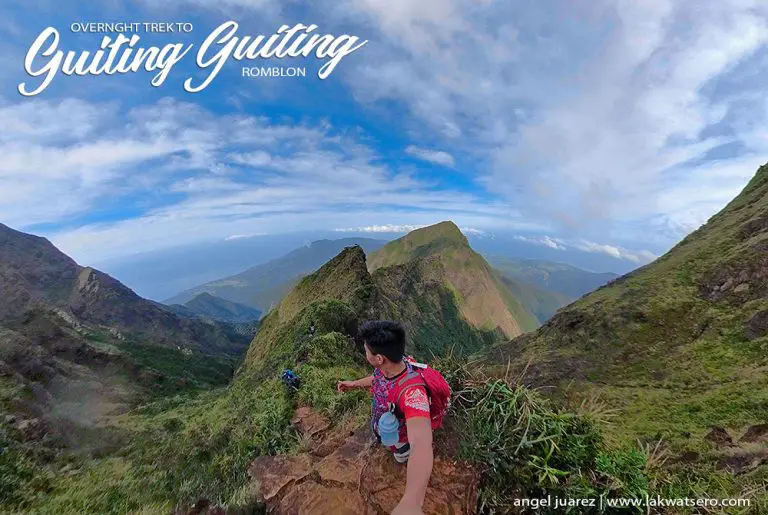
(186, 447)
(666, 344)
(344, 278)
(417, 295)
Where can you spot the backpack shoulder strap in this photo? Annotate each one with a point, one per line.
(409, 380)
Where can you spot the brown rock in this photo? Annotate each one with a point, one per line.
(274, 473)
(719, 437)
(329, 444)
(754, 226)
(452, 488)
(357, 477)
(309, 422)
(756, 434)
(757, 326)
(311, 498)
(32, 429)
(345, 463)
(743, 462)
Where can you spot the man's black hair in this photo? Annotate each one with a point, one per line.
(384, 337)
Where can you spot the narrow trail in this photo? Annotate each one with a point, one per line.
(350, 474)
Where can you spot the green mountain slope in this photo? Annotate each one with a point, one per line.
(482, 298)
(543, 304)
(206, 305)
(77, 345)
(553, 277)
(263, 286)
(678, 345)
(445, 295)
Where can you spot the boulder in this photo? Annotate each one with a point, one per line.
(345, 463)
(275, 473)
(452, 486)
(309, 422)
(311, 498)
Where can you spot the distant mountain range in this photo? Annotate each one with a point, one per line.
(549, 276)
(262, 286)
(205, 305)
(545, 286)
(542, 287)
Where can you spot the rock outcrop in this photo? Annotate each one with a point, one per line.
(355, 476)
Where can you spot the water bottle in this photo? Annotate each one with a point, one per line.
(389, 429)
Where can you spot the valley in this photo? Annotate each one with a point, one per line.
(654, 384)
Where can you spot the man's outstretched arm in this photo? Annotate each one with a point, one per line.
(419, 466)
(365, 382)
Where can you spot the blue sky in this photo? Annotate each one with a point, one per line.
(612, 128)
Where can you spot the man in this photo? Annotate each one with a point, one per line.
(394, 378)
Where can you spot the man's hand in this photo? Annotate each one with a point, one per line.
(344, 386)
(407, 509)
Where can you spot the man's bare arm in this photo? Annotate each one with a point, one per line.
(419, 465)
(365, 382)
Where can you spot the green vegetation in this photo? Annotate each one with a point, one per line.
(178, 371)
(543, 304)
(418, 244)
(529, 447)
(197, 445)
(644, 367)
(414, 273)
(670, 346)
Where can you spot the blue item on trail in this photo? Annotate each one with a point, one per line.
(389, 429)
(291, 379)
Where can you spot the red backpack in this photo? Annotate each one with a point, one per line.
(438, 390)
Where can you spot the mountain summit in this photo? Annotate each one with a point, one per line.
(419, 243)
(481, 296)
(431, 281)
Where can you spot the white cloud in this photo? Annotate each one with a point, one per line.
(231, 175)
(432, 156)
(642, 256)
(382, 228)
(546, 241)
(244, 236)
(584, 125)
(607, 127)
(390, 228)
(614, 251)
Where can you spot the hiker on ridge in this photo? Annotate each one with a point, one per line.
(409, 400)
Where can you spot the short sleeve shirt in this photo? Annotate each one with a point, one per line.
(413, 402)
